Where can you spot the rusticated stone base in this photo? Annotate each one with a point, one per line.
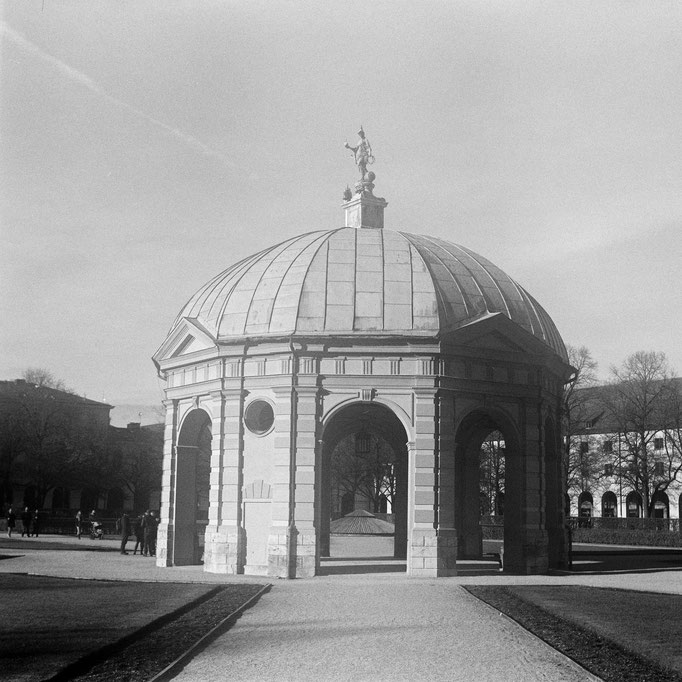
(432, 554)
(164, 540)
(223, 551)
(292, 553)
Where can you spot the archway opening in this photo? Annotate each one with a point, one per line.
(363, 497)
(192, 488)
(487, 479)
(660, 505)
(585, 505)
(609, 505)
(633, 505)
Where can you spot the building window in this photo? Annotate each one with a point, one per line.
(658, 469)
(607, 446)
(259, 417)
(584, 447)
(608, 470)
(658, 444)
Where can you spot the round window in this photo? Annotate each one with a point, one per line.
(259, 417)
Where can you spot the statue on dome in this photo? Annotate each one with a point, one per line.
(363, 153)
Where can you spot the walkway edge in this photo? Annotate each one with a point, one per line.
(589, 677)
(169, 672)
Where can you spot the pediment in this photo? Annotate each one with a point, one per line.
(497, 333)
(495, 341)
(188, 338)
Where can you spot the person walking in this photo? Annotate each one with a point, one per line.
(79, 524)
(35, 523)
(139, 534)
(11, 521)
(26, 523)
(123, 526)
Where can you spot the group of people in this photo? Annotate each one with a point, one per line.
(144, 528)
(30, 522)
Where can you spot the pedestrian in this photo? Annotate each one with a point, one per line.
(123, 526)
(148, 528)
(11, 521)
(35, 523)
(139, 534)
(26, 523)
(79, 524)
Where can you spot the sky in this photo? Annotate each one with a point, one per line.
(146, 146)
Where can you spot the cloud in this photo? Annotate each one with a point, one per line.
(87, 82)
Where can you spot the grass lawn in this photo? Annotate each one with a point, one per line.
(619, 635)
(49, 623)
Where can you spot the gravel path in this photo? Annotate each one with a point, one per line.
(377, 628)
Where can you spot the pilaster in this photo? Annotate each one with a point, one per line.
(166, 529)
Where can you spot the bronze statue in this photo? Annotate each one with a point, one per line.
(363, 153)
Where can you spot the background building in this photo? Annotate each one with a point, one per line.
(58, 453)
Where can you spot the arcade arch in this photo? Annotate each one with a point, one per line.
(193, 475)
(462, 501)
(369, 439)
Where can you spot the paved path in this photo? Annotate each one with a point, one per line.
(377, 628)
(371, 626)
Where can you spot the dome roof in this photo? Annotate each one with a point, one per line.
(352, 281)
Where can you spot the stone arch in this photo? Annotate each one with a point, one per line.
(391, 406)
(470, 433)
(633, 505)
(609, 505)
(382, 421)
(585, 505)
(660, 505)
(193, 469)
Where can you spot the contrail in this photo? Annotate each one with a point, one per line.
(87, 82)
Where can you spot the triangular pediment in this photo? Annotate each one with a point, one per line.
(496, 332)
(188, 338)
(495, 341)
(191, 344)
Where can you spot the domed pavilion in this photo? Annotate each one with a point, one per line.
(287, 352)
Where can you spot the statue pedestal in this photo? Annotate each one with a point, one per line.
(365, 210)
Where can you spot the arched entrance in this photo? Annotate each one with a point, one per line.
(364, 467)
(609, 505)
(192, 491)
(473, 431)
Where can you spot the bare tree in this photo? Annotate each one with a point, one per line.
(39, 376)
(643, 401)
(581, 464)
(364, 464)
(492, 474)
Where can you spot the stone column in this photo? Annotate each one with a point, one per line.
(525, 536)
(166, 530)
(303, 557)
(225, 548)
(278, 540)
(429, 553)
(447, 531)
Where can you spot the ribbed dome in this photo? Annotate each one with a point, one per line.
(362, 281)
